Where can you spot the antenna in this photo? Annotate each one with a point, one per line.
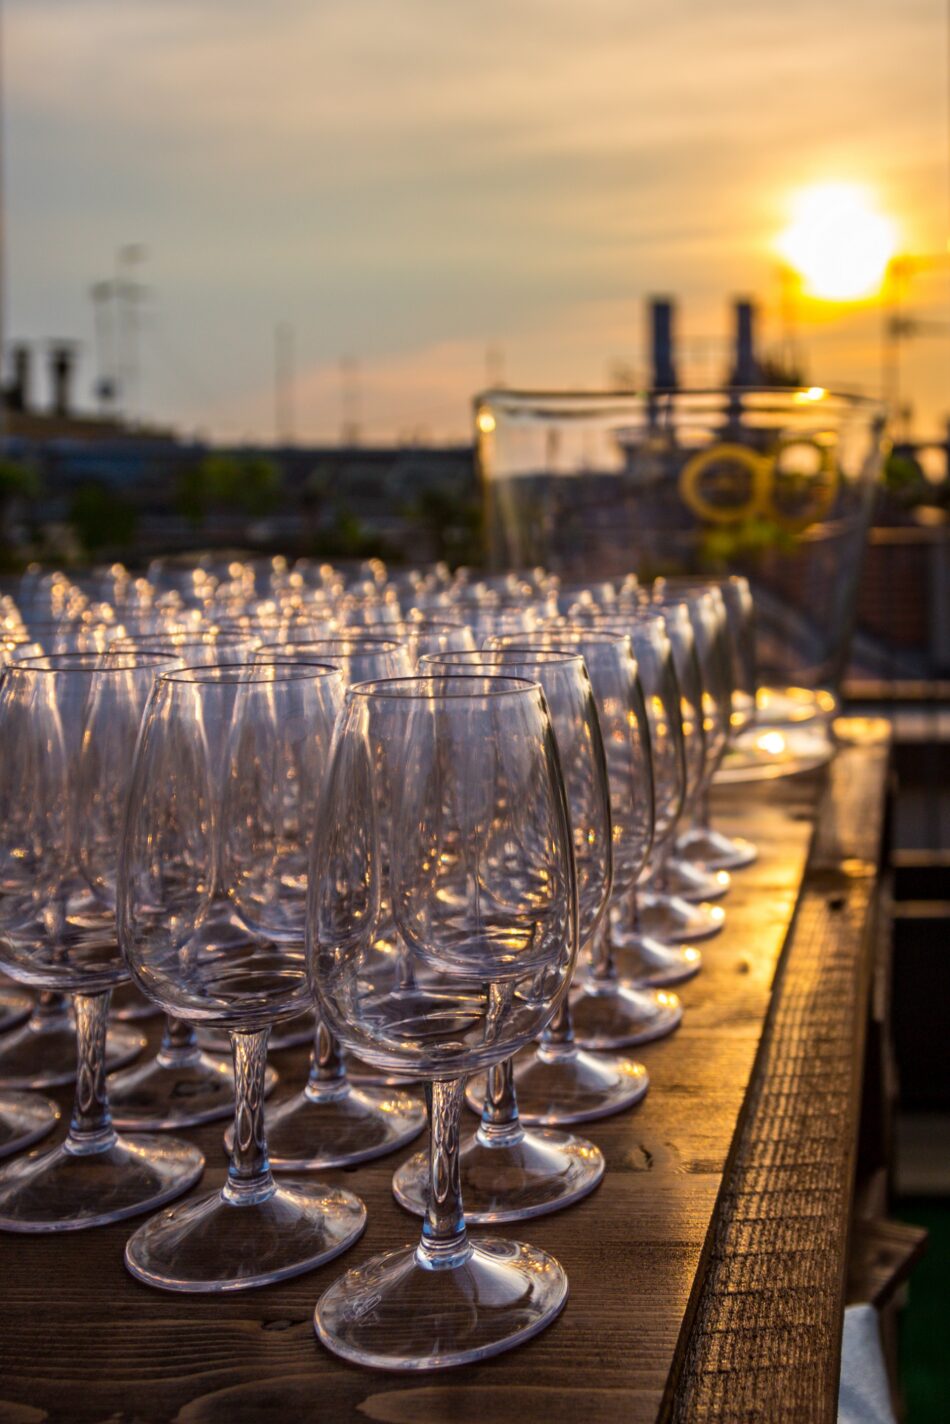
(103, 294)
(284, 383)
(129, 295)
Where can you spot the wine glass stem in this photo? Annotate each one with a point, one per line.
(602, 966)
(559, 1034)
(90, 1128)
(179, 1045)
(327, 1077)
(249, 1175)
(444, 1243)
(500, 1125)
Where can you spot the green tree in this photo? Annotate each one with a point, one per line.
(250, 483)
(18, 481)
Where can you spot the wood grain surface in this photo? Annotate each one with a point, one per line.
(80, 1340)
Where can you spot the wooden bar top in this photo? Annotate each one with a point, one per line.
(707, 1271)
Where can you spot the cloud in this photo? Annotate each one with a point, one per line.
(399, 179)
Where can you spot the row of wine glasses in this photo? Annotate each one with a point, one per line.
(464, 831)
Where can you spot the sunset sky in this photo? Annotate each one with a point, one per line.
(411, 183)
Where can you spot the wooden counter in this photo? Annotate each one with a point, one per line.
(707, 1272)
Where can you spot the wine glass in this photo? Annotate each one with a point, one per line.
(732, 599)
(611, 1012)
(181, 1085)
(332, 1121)
(557, 1082)
(677, 876)
(41, 1053)
(508, 1172)
(423, 635)
(195, 838)
(642, 957)
(69, 725)
(445, 803)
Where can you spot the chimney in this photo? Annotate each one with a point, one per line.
(18, 392)
(746, 370)
(661, 344)
(62, 362)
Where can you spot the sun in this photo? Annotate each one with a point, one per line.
(838, 242)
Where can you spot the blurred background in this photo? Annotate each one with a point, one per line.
(257, 262)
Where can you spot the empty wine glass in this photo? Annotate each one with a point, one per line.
(609, 1011)
(557, 1082)
(69, 725)
(181, 1085)
(445, 803)
(508, 1172)
(677, 876)
(194, 838)
(664, 914)
(642, 957)
(422, 636)
(42, 1051)
(722, 648)
(736, 643)
(332, 1121)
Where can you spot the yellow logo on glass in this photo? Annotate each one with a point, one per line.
(793, 485)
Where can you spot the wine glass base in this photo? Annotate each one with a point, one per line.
(42, 1052)
(693, 882)
(563, 1085)
(614, 1013)
(649, 963)
(675, 921)
(340, 1128)
(211, 1244)
(393, 1313)
(541, 1171)
(15, 1008)
(63, 1190)
(129, 1004)
(715, 851)
(155, 1096)
(24, 1119)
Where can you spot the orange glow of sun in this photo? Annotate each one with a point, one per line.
(838, 242)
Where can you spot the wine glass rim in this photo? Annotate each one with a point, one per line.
(687, 581)
(123, 661)
(245, 674)
(449, 624)
(405, 689)
(190, 638)
(644, 614)
(569, 631)
(782, 396)
(376, 645)
(464, 657)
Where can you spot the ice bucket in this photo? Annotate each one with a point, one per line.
(776, 484)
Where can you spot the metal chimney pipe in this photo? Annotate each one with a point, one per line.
(661, 343)
(746, 370)
(18, 393)
(62, 362)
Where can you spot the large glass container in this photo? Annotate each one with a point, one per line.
(776, 484)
